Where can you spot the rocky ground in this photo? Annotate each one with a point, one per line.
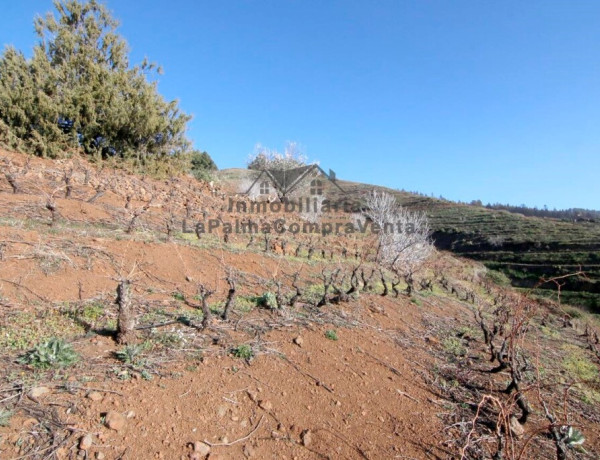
(371, 376)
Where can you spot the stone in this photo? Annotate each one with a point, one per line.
(95, 396)
(201, 448)
(516, 428)
(299, 341)
(115, 421)
(100, 456)
(38, 391)
(248, 451)
(265, 404)
(306, 438)
(30, 423)
(86, 442)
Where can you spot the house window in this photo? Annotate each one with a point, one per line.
(264, 188)
(316, 187)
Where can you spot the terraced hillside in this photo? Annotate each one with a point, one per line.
(525, 249)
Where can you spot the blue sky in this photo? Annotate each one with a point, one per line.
(498, 101)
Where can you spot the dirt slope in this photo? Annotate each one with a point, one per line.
(376, 377)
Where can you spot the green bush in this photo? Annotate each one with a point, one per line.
(243, 351)
(268, 300)
(5, 416)
(80, 92)
(51, 353)
(130, 354)
(202, 166)
(498, 278)
(331, 335)
(454, 346)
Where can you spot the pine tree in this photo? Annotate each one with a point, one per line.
(79, 93)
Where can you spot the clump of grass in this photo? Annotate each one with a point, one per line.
(268, 300)
(178, 296)
(498, 278)
(51, 353)
(245, 303)
(23, 330)
(331, 335)
(466, 332)
(416, 301)
(313, 293)
(5, 416)
(170, 339)
(454, 346)
(243, 351)
(579, 366)
(130, 354)
(574, 313)
(92, 312)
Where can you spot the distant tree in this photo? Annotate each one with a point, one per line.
(264, 158)
(405, 247)
(202, 165)
(78, 92)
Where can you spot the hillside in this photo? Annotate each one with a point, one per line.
(525, 249)
(301, 366)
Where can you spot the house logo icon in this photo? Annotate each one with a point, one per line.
(285, 183)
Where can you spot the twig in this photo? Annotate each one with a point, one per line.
(237, 440)
(67, 387)
(408, 396)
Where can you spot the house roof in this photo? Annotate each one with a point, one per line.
(286, 179)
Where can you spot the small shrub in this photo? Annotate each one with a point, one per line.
(331, 335)
(416, 301)
(574, 437)
(574, 313)
(5, 416)
(579, 366)
(245, 303)
(268, 300)
(178, 296)
(498, 278)
(92, 312)
(170, 339)
(454, 346)
(51, 353)
(243, 351)
(130, 354)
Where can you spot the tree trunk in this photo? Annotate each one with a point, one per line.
(126, 319)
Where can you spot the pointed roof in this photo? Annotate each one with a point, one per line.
(287, 179)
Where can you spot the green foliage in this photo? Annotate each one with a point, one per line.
(243, 351)
(498, 278)
(5, 416)
(579, 366)
(416, 301)
(454, 346)
(268, 300)
(23, 330)
(51, 353)
(177, 295)
(78, 92)
(130, 354)
(202, 166)
(574, 437)
(574, 313)
(331, 335)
